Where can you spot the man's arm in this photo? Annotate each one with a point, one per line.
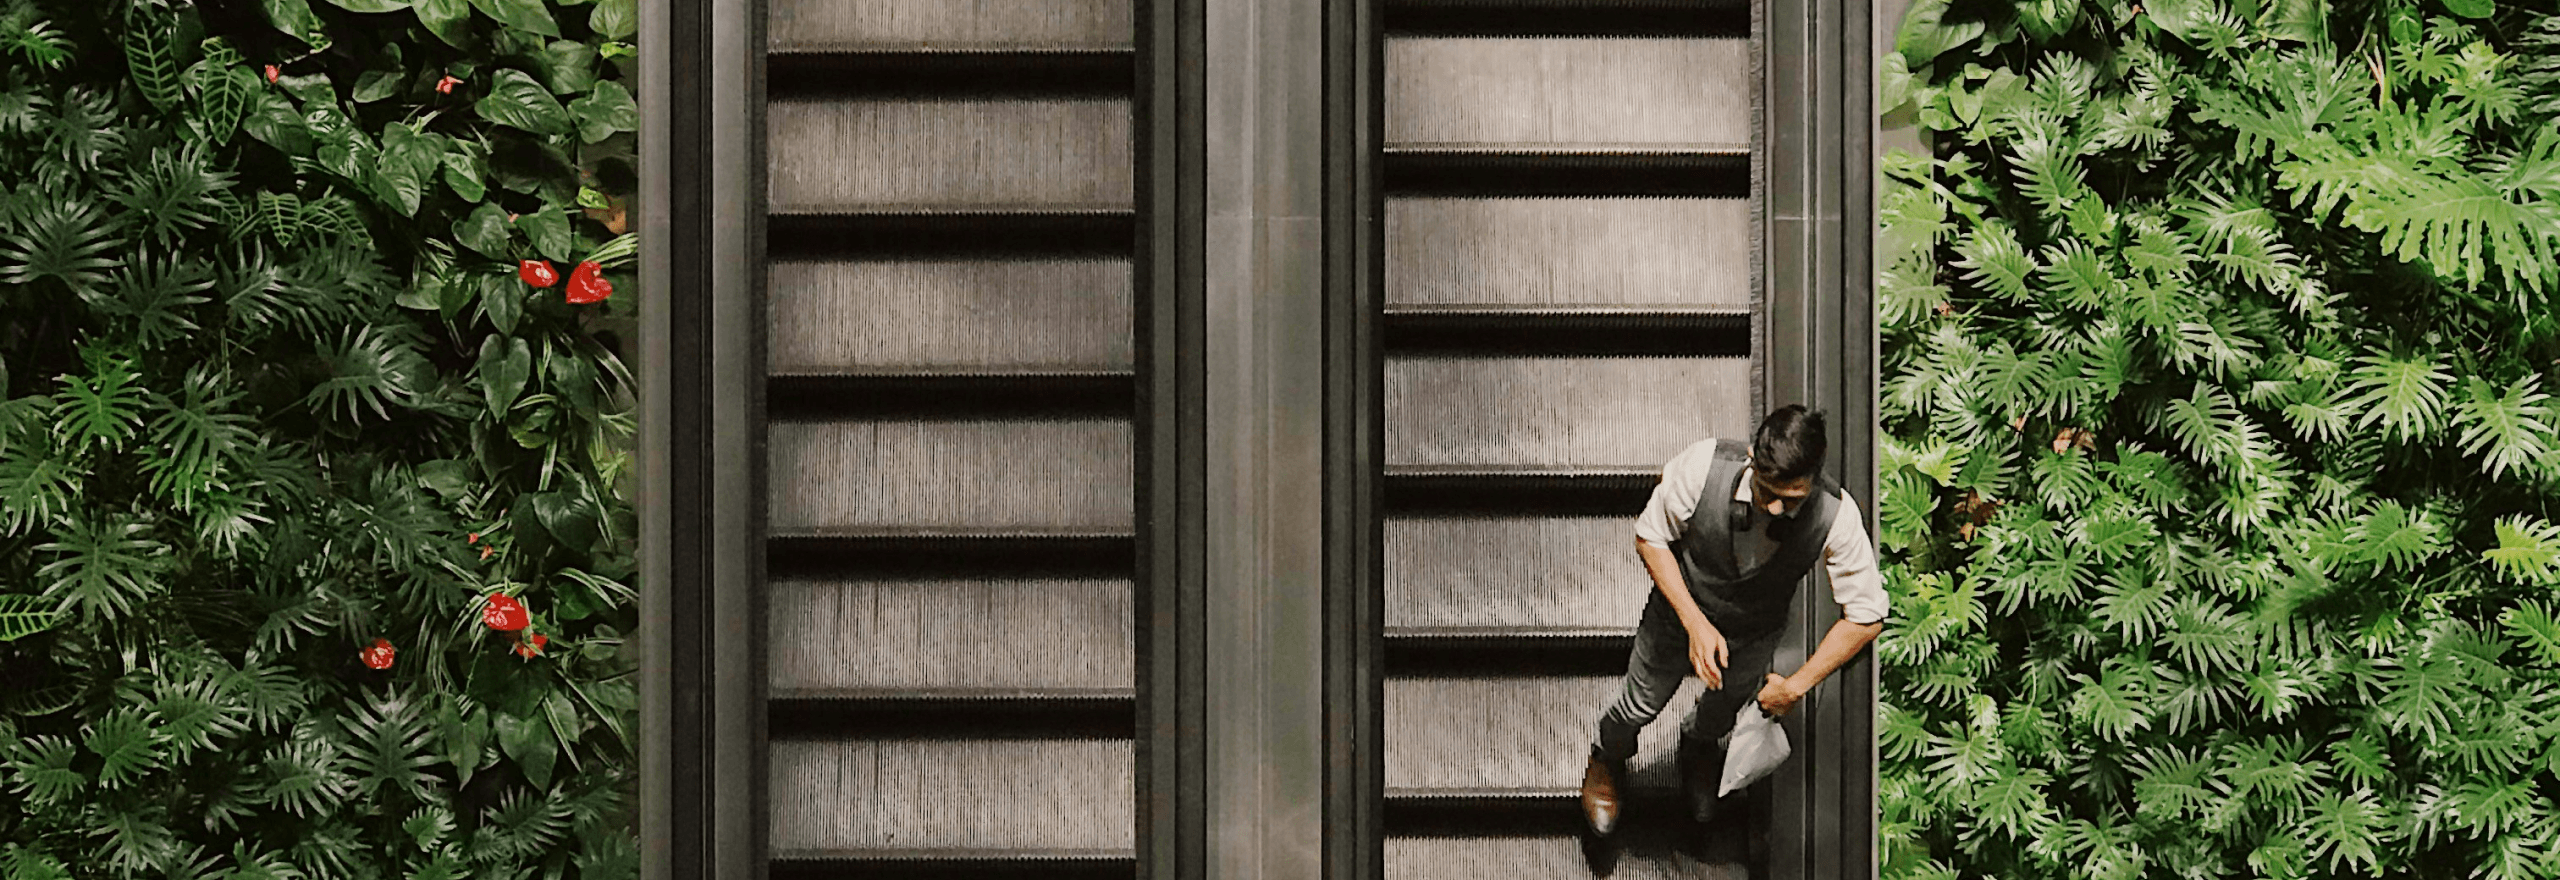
(1707, 651)
(1858, 586)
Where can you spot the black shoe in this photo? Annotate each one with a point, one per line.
(1701, 773)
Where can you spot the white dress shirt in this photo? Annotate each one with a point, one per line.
(1847, 555)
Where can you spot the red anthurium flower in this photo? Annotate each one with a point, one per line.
(538, 273)
(379, 655)
(587, 284)
(273, 73)
(503, 613)
(445, 86)
(475, 537)
(531, 645)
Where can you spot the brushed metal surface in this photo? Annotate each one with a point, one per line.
(979, 475)
(950, 634)
(1517, 733)
(1620, 411)
(1543, 90)
(1522, 251)
(948, 24)
(854, 315)
(1514, 571)
(875, 154)
(1535, 858)
(953, 794)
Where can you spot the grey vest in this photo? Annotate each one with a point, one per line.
(1744, 604)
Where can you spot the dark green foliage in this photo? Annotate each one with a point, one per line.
(2220, 491)
(246, 431)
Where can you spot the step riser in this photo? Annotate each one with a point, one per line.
(943, 24)
(1554, 572)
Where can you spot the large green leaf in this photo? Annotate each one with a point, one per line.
(449, 20)
(526, 15)
(406, 167)
(294, 18)
(505, 365)
(485, 229)
(517, 101)
(22, 615)
(569, 66)
(607, 111)
(530, 743)
(615, 19)
(551, 234)
(371, 5)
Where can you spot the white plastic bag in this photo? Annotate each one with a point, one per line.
(1753, 750)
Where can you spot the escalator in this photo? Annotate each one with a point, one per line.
(950, 639)
(1569, 274)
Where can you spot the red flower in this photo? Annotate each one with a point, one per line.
(378, 656)
(531, 645)
(445, 86)
(503, 613)
(587, 284)
(538, 273)
(475, 537)
(272, 73)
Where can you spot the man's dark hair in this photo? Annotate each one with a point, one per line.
(1790, 444)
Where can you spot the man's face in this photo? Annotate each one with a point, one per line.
(1779, 498)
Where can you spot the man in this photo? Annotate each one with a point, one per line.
(1727, 537)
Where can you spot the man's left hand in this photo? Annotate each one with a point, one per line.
(1779, 696)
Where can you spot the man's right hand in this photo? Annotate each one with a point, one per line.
(1707, 653)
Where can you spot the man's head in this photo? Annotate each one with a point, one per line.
(1785, 454)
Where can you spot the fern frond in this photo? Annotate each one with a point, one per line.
(2517, 429)
(2528, 550)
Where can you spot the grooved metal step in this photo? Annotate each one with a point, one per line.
(1567, 90)
(926, 796)
(1507, 566)
(1568, 252)
(959, 475)
(1595, 411)
(1445, 846)
(834, 24)
(986, 635)
(878, 154)
(1479, 733)
(1106, 864)
(913, 315)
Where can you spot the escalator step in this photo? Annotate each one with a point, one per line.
(1641, 851)
(807, 24)
(919, 797)
(951, 474)
(1556, 91)
(945, 633)
(881, 154)
(1514, 571)
(1472, 735)
(948, 865)
(1634, 412)
(1533, 251)
(842, 315)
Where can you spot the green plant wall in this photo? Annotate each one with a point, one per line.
(316, 557)
(2221, 491)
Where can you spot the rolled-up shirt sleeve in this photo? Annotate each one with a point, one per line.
(1850, 559)
(1676, 497)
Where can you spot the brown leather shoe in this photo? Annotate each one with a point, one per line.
(1600, 797)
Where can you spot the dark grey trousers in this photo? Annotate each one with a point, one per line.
(1654, 671)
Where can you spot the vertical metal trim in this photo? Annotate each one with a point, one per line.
(1170, 454)
(1820, 350)
(1354, 444)
(741, 152)
(676, 451)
